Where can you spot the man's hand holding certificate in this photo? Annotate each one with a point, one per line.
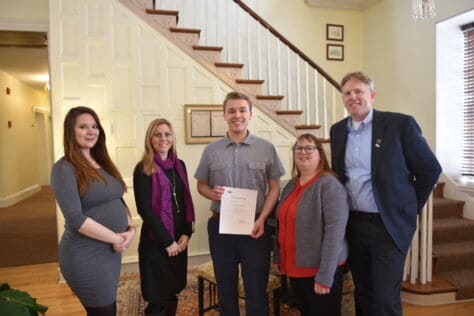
(237, 213)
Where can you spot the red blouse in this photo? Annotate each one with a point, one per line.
(286, 233)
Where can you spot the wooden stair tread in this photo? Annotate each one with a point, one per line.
(162, 12)
(324, 140)
(229, 65)
(249, 81)
(208, 48)
(453, 248)
(311, 126)
(452, 222)
(185, 30)
(289, 112)
(438, 285)
(270, 97)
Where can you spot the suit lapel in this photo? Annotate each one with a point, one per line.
(378, 128)
(341, 149)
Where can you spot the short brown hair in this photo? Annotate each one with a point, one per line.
(234, 95)
(359, 76)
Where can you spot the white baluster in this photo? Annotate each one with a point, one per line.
(278, 71)
(249, 52)
(325, 110)
(259, 52)
(306, 78)
(298, 84)
(316, 98)
(288, 75)
(269, 66)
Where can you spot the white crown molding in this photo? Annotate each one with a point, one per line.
(342, 4)
(20, 25)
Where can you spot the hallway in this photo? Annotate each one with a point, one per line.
(28, 233)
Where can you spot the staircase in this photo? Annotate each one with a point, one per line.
(453, 256)
(312, 103)
(453, 244)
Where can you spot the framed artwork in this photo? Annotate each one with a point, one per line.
(335, 32)
(204, 123)
(335, 52)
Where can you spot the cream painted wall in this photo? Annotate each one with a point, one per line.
(400, 55)
(305, 27)
(104, 57)
(18, 155)
(18, 14)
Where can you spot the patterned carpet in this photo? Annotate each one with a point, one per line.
(129, 300)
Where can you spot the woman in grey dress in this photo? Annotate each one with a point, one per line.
(161, 187)
(88, 188)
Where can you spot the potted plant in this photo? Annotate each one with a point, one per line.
(18, 303)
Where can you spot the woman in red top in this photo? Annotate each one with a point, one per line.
(312, 217)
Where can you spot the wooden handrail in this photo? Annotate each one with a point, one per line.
(288, 43)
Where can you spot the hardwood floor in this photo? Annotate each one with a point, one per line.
(41, 282)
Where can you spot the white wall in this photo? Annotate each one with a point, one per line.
(18, 155)
(104, 57)
(400, 55)
(28, 15)
(305, 27)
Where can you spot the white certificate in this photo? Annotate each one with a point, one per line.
(237, 213)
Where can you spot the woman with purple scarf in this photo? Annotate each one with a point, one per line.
(163, 200)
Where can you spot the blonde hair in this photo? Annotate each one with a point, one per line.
(147, 162)
(358, 76)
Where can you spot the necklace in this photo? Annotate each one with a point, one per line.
(173, 187)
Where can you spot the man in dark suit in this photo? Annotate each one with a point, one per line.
(389, 172)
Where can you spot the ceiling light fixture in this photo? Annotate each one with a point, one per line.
(423, 9)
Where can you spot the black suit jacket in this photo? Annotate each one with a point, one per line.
(404, 170)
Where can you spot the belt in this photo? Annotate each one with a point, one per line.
(363, 215)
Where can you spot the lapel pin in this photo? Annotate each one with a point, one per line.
(378, 142)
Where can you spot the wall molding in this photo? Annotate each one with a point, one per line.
(19, 196)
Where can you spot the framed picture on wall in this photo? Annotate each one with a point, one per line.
(204, 123)
(335, 32)
(335, 52)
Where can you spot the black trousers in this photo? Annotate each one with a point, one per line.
(311, 304)
(377, 267)
(227, 251)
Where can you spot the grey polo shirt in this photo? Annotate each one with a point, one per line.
(247, 165)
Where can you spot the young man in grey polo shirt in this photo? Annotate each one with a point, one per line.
(240, 160)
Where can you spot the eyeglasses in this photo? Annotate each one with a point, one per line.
(309, 149)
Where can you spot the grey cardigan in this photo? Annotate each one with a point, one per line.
(321, 218)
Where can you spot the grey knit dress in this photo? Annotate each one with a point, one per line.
(91, 267)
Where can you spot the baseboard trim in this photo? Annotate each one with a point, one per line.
(14, 198)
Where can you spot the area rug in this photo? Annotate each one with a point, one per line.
(130, 303)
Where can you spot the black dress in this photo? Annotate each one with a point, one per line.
(162, 277)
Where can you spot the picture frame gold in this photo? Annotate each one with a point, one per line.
(204, 123)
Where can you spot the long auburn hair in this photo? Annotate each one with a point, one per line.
(323, 165)
(149, 167)
(85, 173)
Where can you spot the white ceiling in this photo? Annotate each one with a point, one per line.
(342, 4)
(24, 55)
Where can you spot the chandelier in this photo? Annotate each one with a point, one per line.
(423, 9)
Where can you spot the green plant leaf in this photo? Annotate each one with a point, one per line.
(13, 309)
(22, 299)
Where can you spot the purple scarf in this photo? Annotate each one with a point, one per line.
(161, 199)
